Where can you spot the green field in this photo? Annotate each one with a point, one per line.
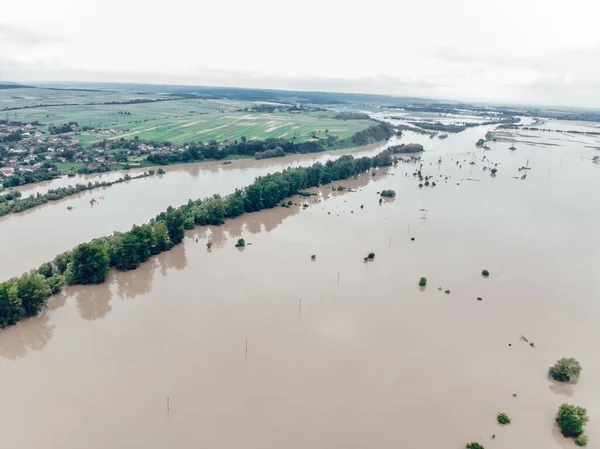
(178, 121)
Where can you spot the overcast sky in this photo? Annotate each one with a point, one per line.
(510, 51)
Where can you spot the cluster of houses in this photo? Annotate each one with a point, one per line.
(33, 148)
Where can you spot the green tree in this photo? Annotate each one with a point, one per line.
(33, 291)
(174, 222)
(571, 420)
(55, 283)
(240, 243)
(46, 270)
(161, 237)
(11, 307)
(565, 370)
(128, 252)
(61, 262)
(89, 264)
(234, 205)
(423, 282)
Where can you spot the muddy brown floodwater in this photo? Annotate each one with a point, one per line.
(263, 348)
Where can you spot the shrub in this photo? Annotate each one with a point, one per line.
(371, 256)
(582, 440)
(341, 188)
(485, 273)
(240, 243)
(565, 370)
(571, 420)
(388, 193)
(503, 418)
(423, 282)
(208, 245)
(160, 171)
(474, 446)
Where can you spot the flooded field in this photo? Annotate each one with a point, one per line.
(264, 348)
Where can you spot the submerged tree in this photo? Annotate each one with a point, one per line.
(571, 420)
(33, 291)
(565, 370)
(423, 282)
(474, 446)
(240, 243)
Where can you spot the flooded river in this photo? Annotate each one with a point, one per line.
(264, 348)
(37, 235)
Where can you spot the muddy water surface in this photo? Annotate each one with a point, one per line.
(263, 348)
(37, 235)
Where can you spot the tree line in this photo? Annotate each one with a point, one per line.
(249, 148)
(20, 205)
(89, 263)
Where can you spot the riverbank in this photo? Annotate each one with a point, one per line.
(234, 162)
(20, 204)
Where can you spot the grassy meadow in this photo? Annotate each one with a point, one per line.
(177, 121)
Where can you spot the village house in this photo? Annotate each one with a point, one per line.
(7, 171)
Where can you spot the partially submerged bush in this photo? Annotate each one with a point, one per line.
(571, 420)
(388, 193)
(423, 282)
(582, 440)
(503, 418)
(240, 243)
(485, 273)
(474, 446)
(565, 370)
(371, 256)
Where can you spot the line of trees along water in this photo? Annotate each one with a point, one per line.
(19, 204)
(249, 148)
(89, 263)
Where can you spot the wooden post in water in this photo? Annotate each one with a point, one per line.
(390, 243)
(338, 281)
(246, 350)
(300, 310)
(168, 407)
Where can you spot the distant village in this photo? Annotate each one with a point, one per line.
(32, 151)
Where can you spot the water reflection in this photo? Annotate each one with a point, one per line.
(30, 334)
(93, 301)
(562, 388)
(130, 284)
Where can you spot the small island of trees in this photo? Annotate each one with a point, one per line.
(572, 420)
(565, 370)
